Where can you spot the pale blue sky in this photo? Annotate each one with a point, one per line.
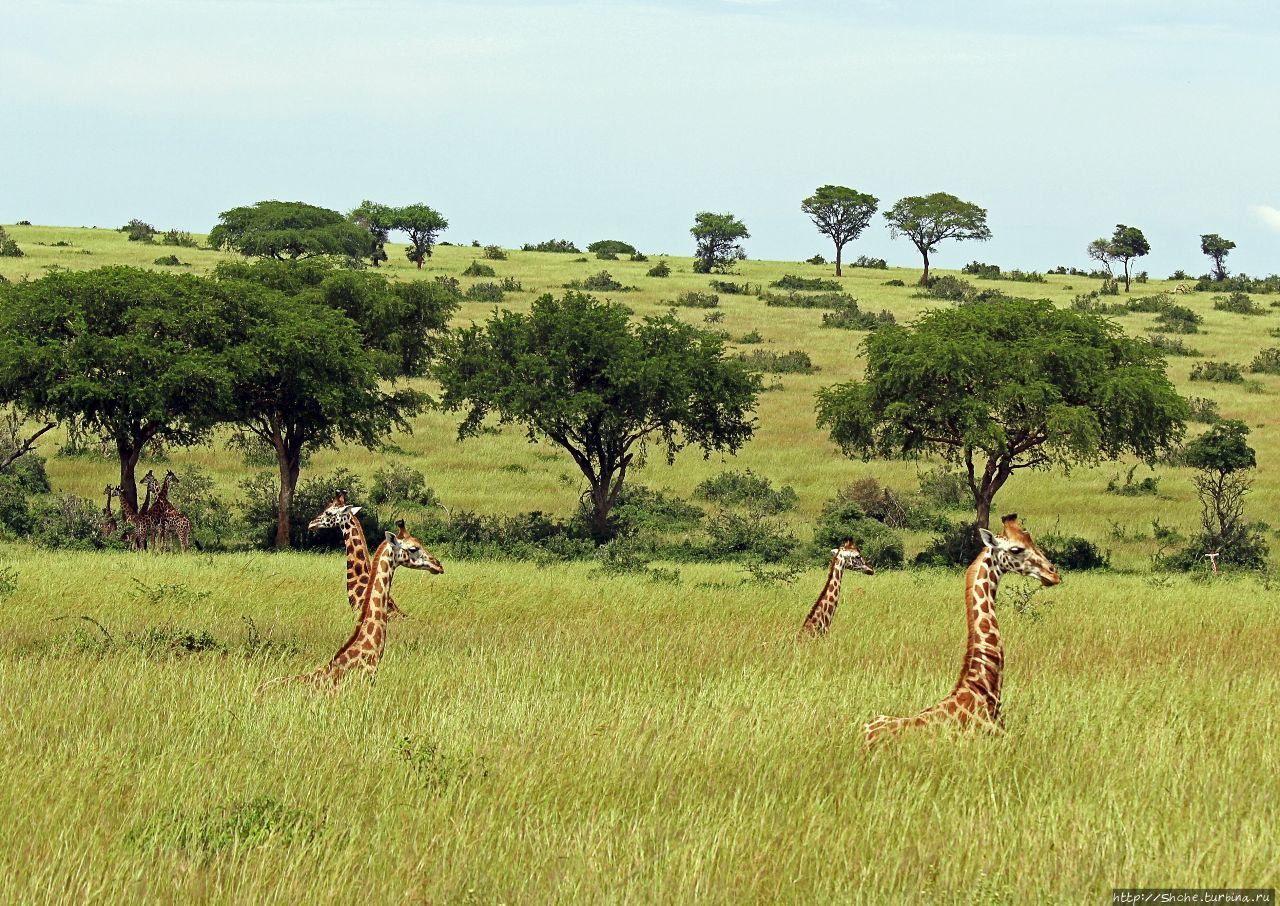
(524, 121)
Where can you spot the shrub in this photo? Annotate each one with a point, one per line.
(607, 255)
(1240, 283)
(953, 289)
(8, 246)
(180, 238)
(484, 292)
(956, 545)
(695, 299)
(615, 247)
(1155, 303)
(531, 536)
(1149, 486)
(1266, 362)
(878, 264)
(211, 519)
(944, 487)
(751, 337)
(713, 317)
(398, 483)
(1180, 274)
(1173, 345)
(511, 285)
(450, 283)
(601, 282)
(747, 489)
(841, 518)
(476, 269)
(894, 282)
(1073, 553)
(850, 317)
(733, 535)
(1178, 319)
(561, 246)
(67, 521)
(258, 508)
(1203, 410)
(1238, 303)
(816, 259)
(138, 231)
(1217, 372)
(730, 288)
(661, 269)
(24, 480)
(796, 361)
(810, 284)
(643, 511)
(494, 253)
(985, 271)
(169, 261)
(808, 300)
(638, 256)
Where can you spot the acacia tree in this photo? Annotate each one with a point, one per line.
(1217, 249)
(289, 230)
(1004, 386)
(1223, 460)
(580, 373)
(423, 224)
(315, 355)
(718, 247)
(1128, 243)
(133, 354)
(379, 221)
(840, 214)
(1100, 250)
(930, 219)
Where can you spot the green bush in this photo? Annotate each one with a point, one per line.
(695, 299)
(747, 489)
(878, 264)
(1173, 345)
(494, 253)
(796, 361)
(614, 247)
(398, 483)
(984, 271)
(945, 487)
(953, 289)
(510, 285)
(1178, 319)
(806, 284)
(9, 247)
(816, 259)
(258, 508)
(1203, 410)
(956, 545)
(476, 269)
(893, 282)
(601, 282)
(484, 292)
(20, 484)
(750, 337)
(561, 246)
(1266, 362)
(808, 300)
(730, 288)
(661, 269)
(607, 255)
(842, 518)
(169, 261)
(1238, 303)
(638, 256)
(1217, 372)
(1071, 553)
(138, 231)
(67, 521)
(850, 317)
(180, 238)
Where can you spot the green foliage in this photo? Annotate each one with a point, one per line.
(729, 288)
(795, 361)
(602, 282)
(179, 238)
(751, 337)
(578, 372)
(957, 544)
(1202, 410)
(806, 284)
(1217, 249)
(1071, 553)
(510, 285)
(194, 495)
(139, 231)
(1148, 486)
(894, 282)
(747, 489)
(954, 289)
(288, 231)
(816, 259)
(993, 272)
(694, 299)
(878, 264)
(66, 521)
(840, 214)
(1238, 303)
(928, 220)
(1178, 319)
(169, 261)
(1217, 372)
(615, 247)
(494, 253)
(661, 269)
(379, 220)
(9, 247)
(718, 239)
(638, 256)
(398, 483)
(560, 246)
(423, 224)
(1266, 362)
(239, 826)
(1223, 449)
(258, 502)
(1126, 244)
(850, 317)
(944, 487)
(1005, 386)
(1223, 458)
(1175, 346)
(24, 480)
(843, 518)
(484, 292)
(793, 299)
(476, 269)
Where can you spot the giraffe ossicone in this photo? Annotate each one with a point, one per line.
(975, 699)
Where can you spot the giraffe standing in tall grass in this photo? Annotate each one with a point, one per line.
(846, 556)
(341, 515)
(363, 651)
(975, 700)
(165, 518)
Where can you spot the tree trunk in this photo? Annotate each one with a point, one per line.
(924, 279)
(600, 506)
(839, 251)
(129, 455)
(1126, 275)
(289, 467)
(984, 509)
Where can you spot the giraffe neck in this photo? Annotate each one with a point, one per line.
(163, 495)
(982, 670)
(824, 609)
(359, 568)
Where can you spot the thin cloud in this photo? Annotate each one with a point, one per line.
(1268, 215)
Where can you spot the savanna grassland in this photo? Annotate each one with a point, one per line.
(554, 734)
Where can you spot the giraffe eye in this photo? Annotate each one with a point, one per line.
(1016, 550)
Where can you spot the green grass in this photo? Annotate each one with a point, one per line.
(573, 737)
(555, 736)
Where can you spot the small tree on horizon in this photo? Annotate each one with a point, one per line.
(840, 214)
(1003, 386)
(379, 220)
(288, 231)
(718, 247)
(423, 224)
(1128, 243)
(1217, 249)
(930, 219)
(1223, 461)
(1100, 250)
(578, 372)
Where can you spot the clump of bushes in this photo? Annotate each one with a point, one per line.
(476, 269)
(1266, 362)
(494, 253)
(1178, 319)
(795, 361)
(180, 238)
(1203, 410)
(1148, 486)
(1217, 372)
(138, 231)
(560, 246)
(1173, 345)
(842, 518)
(169, 261)
(695, 299)
(484, 292)
(747, 489)
(607, 255)
(894, 282)
(850, 317)
(984, 271)
(1073, 553)
(806, 284)
(661, 269)
(601, 282)
(729, 288)
(953, 289)
(258, 507)
(9, 246)
(1238, 303)
(816, 259)
(751, 337)
(638, 256)
(511, 285)
(878, 264)
(398, 483)
(808, 300)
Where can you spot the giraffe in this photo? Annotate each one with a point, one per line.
(165, 518)
(139, 523)
(976, 696)
(846, 556)
(363, 650)
(109, 524)
(338, 514)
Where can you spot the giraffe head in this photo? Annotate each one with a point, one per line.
(149, 481)
(407, 550)
(335, 514)
(1014, 550)
(170, 477)
(849, 557)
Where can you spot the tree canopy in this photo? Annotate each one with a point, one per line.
(840, 214)
(1002, 386)
(424, 224)
(289, 230)
(718, 238)
(1217, 249)
(578, 372)
(379, 221)
(930, 219)
(1128, 243)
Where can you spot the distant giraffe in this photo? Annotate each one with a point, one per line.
(109, 524)
(139, 524)
(846, 556)
(363, 651)
(166, 519)
(339, 514)
(976, 696)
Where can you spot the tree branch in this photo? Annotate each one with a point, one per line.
(26, 446)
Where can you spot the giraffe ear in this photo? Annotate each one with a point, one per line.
(391, 539)
(354, 509)
(988, 539)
